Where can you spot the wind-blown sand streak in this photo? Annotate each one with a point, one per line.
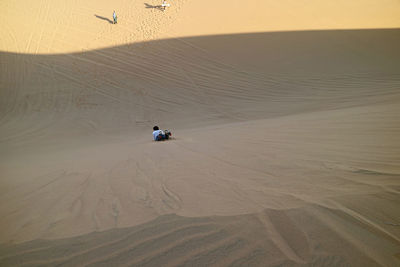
(234, 240)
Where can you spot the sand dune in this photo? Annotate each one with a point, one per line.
(272, 237)
(286, 148)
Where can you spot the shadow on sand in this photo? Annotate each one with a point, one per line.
(159, 7)
(104, 18)
(321, 70)
(189, 83)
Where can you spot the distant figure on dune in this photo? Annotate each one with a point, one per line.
(115, 17)
(164, 5)
(159, 135)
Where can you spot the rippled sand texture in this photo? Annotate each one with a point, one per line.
(286, 148)
(272, 237)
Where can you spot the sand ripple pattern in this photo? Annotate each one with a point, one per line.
(268, 238)
(286, 151)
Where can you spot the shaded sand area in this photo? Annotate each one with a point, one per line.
(286, 148)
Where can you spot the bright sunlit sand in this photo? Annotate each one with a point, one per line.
(60, 26)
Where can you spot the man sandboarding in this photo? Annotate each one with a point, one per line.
(160, 135)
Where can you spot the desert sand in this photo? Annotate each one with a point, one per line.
(286, 133)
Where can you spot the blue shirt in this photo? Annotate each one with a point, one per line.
(157, 133)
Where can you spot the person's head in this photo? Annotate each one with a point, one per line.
(155, 128)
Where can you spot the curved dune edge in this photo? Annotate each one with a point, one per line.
(295, 237)
(59, 26)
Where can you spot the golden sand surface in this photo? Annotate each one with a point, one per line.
(60, 26)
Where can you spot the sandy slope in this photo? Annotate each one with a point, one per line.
(286, 149)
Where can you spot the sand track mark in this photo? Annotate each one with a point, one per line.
(145, 249)
(344, 231)
(363, 220)
(279, 240)
(44, 22)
